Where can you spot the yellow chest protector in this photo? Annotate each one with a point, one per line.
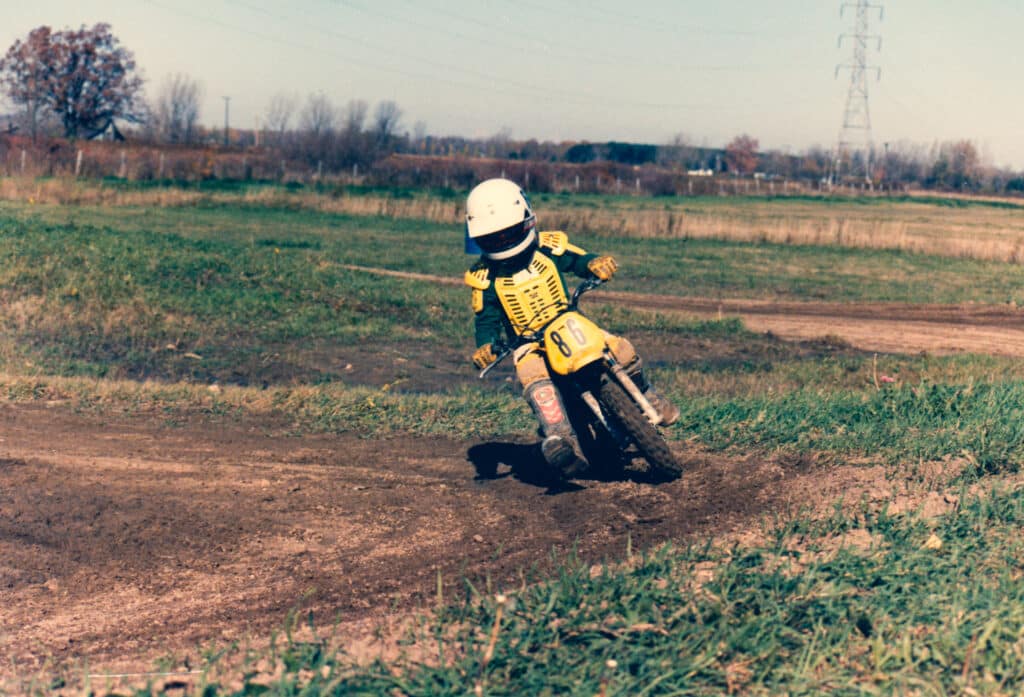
(532, 297)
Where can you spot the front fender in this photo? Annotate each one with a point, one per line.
(571, 342)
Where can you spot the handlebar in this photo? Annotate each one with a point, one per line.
(505, 349)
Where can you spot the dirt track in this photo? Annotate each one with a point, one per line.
(120, 541)
(875, 326)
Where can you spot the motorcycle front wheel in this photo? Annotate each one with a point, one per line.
(644, 434)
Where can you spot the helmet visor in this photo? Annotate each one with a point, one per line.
(508, 238)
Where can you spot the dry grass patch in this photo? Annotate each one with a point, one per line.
(968, 228)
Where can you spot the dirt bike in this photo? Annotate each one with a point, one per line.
(605, 405)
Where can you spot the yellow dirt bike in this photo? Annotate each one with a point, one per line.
(605, 405)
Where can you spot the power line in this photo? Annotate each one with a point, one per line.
(528, 88)
(659, 24)
(854, 141)
(482, 83)
(587, 53)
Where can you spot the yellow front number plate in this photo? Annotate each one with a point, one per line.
(573, 342)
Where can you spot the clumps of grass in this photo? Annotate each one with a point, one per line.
(863, 602)
(463, 413)
(329, 408)
(979, 422)
(983, 422)
(117, 300)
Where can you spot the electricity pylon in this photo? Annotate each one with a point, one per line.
(853, 152)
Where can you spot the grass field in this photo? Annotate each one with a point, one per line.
(871, 602)
(258, 297)
(950, 226)
(142, 306)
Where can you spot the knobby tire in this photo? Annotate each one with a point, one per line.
(645, 435)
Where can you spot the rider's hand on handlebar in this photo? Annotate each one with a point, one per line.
(603, 267)
(484, 356)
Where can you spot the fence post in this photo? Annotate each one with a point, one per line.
(160, 171)
(124, 167)
(78, 163)
(577, 178)
(24, 155)
(637, 185)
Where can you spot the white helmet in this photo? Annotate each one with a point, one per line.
(499, 219)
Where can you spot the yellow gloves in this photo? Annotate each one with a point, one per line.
(603, 267)
(484, 356)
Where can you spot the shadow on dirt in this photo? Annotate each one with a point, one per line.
(526, 464)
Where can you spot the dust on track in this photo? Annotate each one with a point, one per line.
(124, 539)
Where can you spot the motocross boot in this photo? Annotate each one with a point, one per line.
(668, 411)
(559, 446)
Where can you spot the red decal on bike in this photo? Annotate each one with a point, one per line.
(547, 404)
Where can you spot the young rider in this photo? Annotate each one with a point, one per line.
(518, 285)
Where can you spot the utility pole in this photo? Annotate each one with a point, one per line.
(227, 139)
(854, 147)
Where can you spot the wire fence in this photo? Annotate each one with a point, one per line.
(146, 163)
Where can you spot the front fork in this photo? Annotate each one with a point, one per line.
(631, 388)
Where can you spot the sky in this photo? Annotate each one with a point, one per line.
(597, 70)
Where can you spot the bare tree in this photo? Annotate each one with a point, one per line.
(317, 141)
(280, 110)
(681, 152)
(355, 116)
(318, 117)
(958, 166)
(353, 144)
(386, 118)
(499, 144)
(177, 109)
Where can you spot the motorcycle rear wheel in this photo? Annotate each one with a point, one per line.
(645, 435)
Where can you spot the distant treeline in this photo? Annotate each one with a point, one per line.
(385, 158)
(68, 87)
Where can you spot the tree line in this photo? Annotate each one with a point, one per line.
(83, 84)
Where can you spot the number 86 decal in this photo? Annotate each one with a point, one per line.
(574, 330)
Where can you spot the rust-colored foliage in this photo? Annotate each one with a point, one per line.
(741, 154)
(84, 76)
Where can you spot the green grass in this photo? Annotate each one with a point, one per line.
(256, 295)
(129, 295)
(106, 291)
(981, 422)
(864, 602)
(251, 295)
